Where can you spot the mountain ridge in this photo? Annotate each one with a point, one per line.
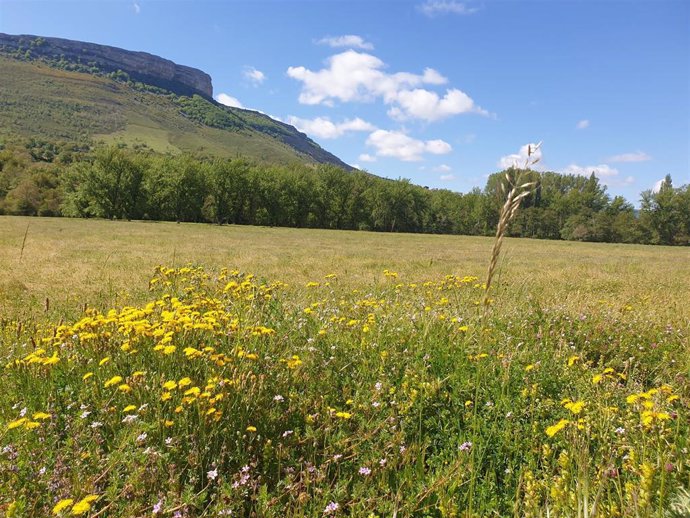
(133, 97)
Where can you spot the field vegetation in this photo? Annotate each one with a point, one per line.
(161, 369)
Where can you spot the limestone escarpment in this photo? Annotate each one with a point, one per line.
(139, 66)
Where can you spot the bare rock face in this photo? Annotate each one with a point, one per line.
(139, 66)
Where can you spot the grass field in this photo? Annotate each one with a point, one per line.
(288, 372)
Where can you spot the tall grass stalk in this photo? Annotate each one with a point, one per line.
(517, 191)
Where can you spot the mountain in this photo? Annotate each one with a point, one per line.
(55, 89)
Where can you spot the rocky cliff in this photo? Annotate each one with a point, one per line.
(139, 66)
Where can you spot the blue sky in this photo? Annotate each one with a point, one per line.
(442, 92)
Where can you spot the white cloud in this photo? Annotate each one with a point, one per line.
(395, 144)
(366, 157)
(521, 158)
(443, 168)
(600, 170)
(322, 127)
(428, 106)
(657, 185)
(436, 7)
(359, 77)
(229, 100)
(448, 177)
(348, 40)
(638, 156)
(584, 123)
(253, 75)
(136, 7)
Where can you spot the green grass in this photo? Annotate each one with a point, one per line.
(351, 375)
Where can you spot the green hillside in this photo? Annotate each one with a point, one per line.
(45, 103)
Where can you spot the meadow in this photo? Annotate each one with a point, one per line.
(161, 369)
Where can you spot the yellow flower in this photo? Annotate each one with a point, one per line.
(166, 396)
(17, 423)
(30, 425)
(572, 360)
(184, 382)
(62, 504)
(574, 406)
(87, 376)
(129, 408)
(294, 362)
(194, 391)
(597, 378)
(170, 385)
(41, 416)
(113, 381)
(124, 388)
(554, 429)
(251, 428)
(84, 505)
(191, 352)
(169, 349)
(104, 361)
(343, 415)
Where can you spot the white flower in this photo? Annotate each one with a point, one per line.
(212, 475)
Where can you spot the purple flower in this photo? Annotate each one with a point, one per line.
(158, 507)
(466, 446)
(364, 471)
(331, 508)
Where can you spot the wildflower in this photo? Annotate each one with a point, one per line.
(84, 505)
(130, 418)
(251, 428)
(41, 416)
(112, 381)
(87, 376)
(62, 505)
(620, 430)
(212, 475)
(574, 406)
(466, 446)
(343, 415)
(287, 433)
(184, 382)
(158, 507)
(142, 437)
(331, 508)
(168, 441)
(170, 385)
(278, 398)
(96, 424)
(17, 423)
(85, 414)
(337, 457)
(554, 429)
(129, 408)
(364, 471)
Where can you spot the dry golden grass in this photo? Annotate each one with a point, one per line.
(104, 263)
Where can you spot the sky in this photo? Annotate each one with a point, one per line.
(442, 92)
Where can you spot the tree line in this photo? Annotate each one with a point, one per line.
(119, 183)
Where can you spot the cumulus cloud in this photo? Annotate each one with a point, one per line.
(429, 106)
(584, 123)
(520, 158)
(433, 8)
(601, 170)
(366, 157)
(348, 40)
(448, 177)
(359, 77)
(657, 185)
(229, 100)
(638, 156)
(256, 77)
(443, 168)
(396, 144)
(322, 127)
